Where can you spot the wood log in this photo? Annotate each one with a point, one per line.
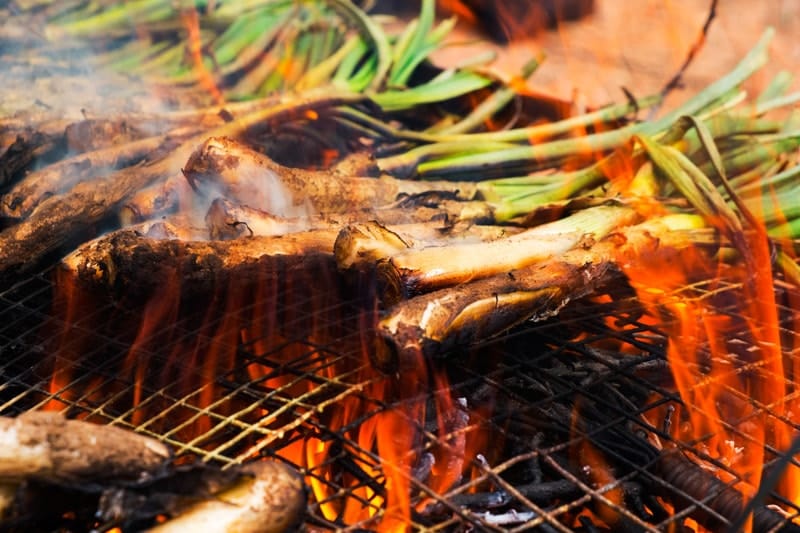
(46, 446)
(269, 498)
(225, 167)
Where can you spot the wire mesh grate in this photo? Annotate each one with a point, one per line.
(556, 426)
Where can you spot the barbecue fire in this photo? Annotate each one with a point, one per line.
(438, 299)
(734, 388)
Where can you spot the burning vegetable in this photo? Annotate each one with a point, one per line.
(240, 173)
(28, 193)
(431, 324)
(417, 271)
(44, 445)
(706, 157)
(368, 243)
(268, 497)
(126, 259)
(420, 226)
(47, 447)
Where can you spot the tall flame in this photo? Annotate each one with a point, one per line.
(356, 434)
(733, 387)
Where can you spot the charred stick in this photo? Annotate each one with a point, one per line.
(675, 81)
(418, 271)
(423, 467)
(431, 324)
(716, 504)
(248, 177)
(21, 200)
(269, 498)
(539, 492)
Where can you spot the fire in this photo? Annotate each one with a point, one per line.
(733, 389)
(600, 476)
(355, 434)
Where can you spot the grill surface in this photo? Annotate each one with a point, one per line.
(178, 382)
(232, 382)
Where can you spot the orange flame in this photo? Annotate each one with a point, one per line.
(381, 443)
(734, 400)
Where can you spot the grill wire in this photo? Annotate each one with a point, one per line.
(280, 391)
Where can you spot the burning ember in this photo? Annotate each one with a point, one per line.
(307, 275)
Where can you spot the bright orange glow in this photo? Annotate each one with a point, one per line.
(69, 303)
(394, 444)
(66, 303)
(599, 474)
(377, 440)
(735, 399)
(459, 9)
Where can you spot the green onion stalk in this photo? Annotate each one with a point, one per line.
(260, 47)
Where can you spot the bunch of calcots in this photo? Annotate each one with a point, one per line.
(341, 139)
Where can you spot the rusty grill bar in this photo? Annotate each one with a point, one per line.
(276, 395)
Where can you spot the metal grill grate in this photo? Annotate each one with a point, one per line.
(228, 384)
